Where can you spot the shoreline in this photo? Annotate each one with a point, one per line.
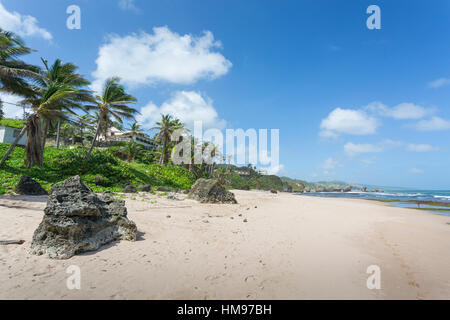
(266, 247)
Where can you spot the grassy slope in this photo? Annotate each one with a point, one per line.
(64, 163)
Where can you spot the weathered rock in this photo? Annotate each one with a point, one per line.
(77, 220)
(100, 181)
(210, 191)
(274, 191)
(347, 189)
(145, 188)
(28, 186)
(378, 190)
(163, 189)
(129, 189)
(186, 191)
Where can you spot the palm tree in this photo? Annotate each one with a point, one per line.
(83, 122)
(166, 127)
(14, 73)
(112, 103)
(64, 74)
(47, 104)
(135, 130)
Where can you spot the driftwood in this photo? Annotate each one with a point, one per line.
(8, 242)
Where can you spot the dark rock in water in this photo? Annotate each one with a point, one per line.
(145, 188)
(378, 190)
(77, 220)
(363, 189)
(163, 189)
(29, 187)
(274, 191)
(100, 181)
(129, 189)
(210, 191)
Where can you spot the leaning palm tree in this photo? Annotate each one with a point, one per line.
(14, 73)
(112, 103)
(165, 128)
(48, 104)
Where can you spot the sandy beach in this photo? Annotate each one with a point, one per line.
(266, 247)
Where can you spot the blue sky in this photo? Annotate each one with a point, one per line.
(360, 105)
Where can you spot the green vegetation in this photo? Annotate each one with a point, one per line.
(60, 164)
(12, 123)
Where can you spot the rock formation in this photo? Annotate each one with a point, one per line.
(210, 191)
(129, 189)
(77, 220)
(28, 186)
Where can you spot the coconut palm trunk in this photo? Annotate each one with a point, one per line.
(58, 135)
(13, 145)
(44, 138)
(95, 138)
(34, 149)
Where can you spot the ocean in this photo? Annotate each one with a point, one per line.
(437, 201)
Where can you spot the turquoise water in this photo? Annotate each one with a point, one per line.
(401, 197)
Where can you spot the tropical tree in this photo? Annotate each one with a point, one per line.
(14, 73)
(64, 73)
(135, 130)
(166, 128)
(1, 110)
(47, 104)
(132, 150)
(82, 123)
(113, 103)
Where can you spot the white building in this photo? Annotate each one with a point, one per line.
(116, 135)
(9, 134)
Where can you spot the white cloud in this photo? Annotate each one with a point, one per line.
(330, 164)
(22, 25)
(10, 110)
(128, 5)
(188, 106)
(274, 170)
(439, 83)
(433, 124)
(163, 56)
(355, 122)
(401, 111)
(353, 149)
(421, 148)
(416, 171)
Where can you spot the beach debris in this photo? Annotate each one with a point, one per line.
(274, 191)
(168, 217)
(211, 191)
(9, 242)
(77, 220)
(28, 186)
(145, 188)
(129, 189)
(245, 220)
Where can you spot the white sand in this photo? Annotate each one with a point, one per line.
(292, 247)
